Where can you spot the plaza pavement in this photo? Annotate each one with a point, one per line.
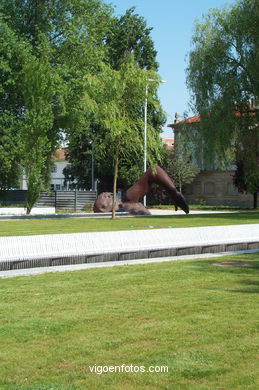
(47, 213)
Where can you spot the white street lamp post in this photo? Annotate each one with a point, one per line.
(145, 140)
(145, 133)
(92, 146)
(93, 167)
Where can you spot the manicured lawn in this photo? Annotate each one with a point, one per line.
(200, 320)
(73, 225)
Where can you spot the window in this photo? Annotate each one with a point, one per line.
(209, 188)
(57, 187)
(53, 169)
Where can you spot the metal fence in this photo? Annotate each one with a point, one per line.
(72, 200)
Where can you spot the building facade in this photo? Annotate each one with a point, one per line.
(57, 178)
(211, 186)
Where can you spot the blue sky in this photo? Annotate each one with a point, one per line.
(173, 26)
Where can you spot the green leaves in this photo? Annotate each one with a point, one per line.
(58, 75)
(129, 35)
(223, 78)
(108, 102)
(46, 47)
(38, 137)
(220, 63)
(180, 167)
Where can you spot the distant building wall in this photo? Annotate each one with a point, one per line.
(211, 186)
(216, 188)
(57, 178)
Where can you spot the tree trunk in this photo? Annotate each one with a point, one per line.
(116, 168)
(180, 186)
(32, 196)
(28, 210)
(255, 200)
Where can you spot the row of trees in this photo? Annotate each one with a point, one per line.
(72, 69)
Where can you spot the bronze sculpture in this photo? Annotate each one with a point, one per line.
(158, 176)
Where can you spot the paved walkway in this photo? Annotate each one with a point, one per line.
(48, 215)
(180, 212)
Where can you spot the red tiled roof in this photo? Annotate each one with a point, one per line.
(59, 155)
(197, 118)
(193, 119)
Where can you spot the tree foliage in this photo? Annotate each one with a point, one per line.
(223, 78)
(12, 57)
(27, 100)
(246, 177)
(55, 56)
(114, 97)
(47, 47)
(180, 167)
(38, 137)
(129, 34)
(127, 41)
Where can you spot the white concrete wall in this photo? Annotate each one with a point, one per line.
(22, 211)
(57, 177)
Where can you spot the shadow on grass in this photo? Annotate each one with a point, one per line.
(252, 270)
(253, 290)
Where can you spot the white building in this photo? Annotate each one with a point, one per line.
(57, 176)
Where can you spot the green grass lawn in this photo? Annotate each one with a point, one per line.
(200, 320)
(73, 225)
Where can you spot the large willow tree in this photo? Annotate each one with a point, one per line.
(223, 77)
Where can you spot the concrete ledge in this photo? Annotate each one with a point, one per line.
(117, 256)
(87, 266)
(21, 211)
(213, 248)
(52, 215)
(162, 252)
(253, 245)
(81, 248)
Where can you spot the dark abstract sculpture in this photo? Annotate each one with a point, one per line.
(104, 201)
